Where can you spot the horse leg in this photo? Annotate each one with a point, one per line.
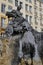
(42, 60)
(31, 60)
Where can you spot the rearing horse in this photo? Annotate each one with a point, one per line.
(26, 40)
(20, 26)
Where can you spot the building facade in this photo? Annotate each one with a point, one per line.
(32, 10)
(5, 5)
(37, 22)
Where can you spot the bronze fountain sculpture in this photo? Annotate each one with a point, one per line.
(26, 41)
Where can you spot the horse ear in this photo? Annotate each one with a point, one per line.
(19, 7)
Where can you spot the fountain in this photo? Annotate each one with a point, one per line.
(19, 29)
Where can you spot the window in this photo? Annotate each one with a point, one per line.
(36, 19)
(34, 1)
(16, 2)
(40, 17)
(30, 1)
(36, 22)
(26, 0)
(11, 1)
(26, 7)
(30, 19)
(3, 22)
(3, 8)
(27, 17)
(41, 23)
(41, 29)
(30, 8)
(35, 27)
(40, 4)
(9, 8)
(21, 3)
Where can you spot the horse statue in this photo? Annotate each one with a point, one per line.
(26, 41)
